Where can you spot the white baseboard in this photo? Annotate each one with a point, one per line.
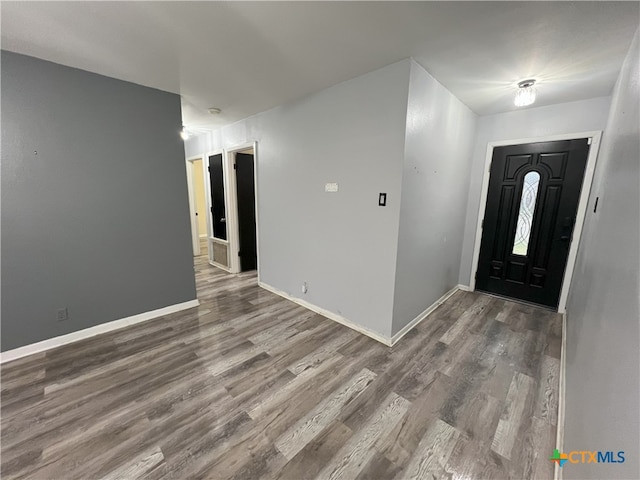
(464, 288)
(390, 342)
(50, 343)
(423, 315)
(557, 473)
(330, 315)
(220, 266)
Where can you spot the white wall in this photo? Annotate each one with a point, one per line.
(603, 317)
(342, 244)
(573, 117)
(197, 145)
(438, 144)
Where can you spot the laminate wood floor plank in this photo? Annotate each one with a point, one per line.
(200, 447)
(475, 460)
(394, 368)
(349, 461)
(324, 351)
(553, 345)
(103, 451)
(509, 424)
(140, 466)
(278, 398)
(313, 388)
(249, 385)
(313, 457)
(292, 441)
(465, 320)
(424, 410)
(548, 386)
(480, 415)
(379, 467)
(432, 455)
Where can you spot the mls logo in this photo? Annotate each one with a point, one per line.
(559, 458)
(582, 456)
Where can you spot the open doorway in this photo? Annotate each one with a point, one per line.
(243, 232)
(219, 254)
(197, 205)
(246, 201)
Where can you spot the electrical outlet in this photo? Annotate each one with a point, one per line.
(305, 287)
(63, 314)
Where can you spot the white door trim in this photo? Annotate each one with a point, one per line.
(582, 203)
(207, 194)
(233, 224)
(195, 240)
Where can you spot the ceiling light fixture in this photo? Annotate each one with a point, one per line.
(215, 111)
(526, 93)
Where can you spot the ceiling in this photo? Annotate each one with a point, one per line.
(247, 57)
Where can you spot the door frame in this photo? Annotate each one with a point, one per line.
(195, 237)
(233, 223)
(207, 192)
(576, 235)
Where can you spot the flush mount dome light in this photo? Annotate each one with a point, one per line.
(214, 110)
(526, 93)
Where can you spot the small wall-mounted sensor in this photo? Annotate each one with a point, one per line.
(330, 187)
(382, 199)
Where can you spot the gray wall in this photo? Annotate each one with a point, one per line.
(342, 244)
(572, 117)
(438, 143)
(98, 220)
(603, 347)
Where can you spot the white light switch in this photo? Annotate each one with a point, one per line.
(330, 187)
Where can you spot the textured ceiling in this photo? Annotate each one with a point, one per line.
(246, 57)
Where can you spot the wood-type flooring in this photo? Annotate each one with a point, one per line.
(249, 385)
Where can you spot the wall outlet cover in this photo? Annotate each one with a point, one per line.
(63, 314)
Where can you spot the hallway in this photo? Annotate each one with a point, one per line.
(250, 385)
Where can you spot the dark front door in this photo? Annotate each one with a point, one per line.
(246, 211)
(218, 214)
(531, 209)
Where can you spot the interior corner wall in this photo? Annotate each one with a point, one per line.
(95, 212)
(571, 117)
(602, 401)
(439, 138)
(343, 245)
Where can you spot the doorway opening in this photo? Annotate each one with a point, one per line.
(534, 199)
(243, 225)
(219, 251)
(197, 205)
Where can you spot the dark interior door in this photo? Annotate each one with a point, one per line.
(246, 211)
(531, 209)
(218, 215)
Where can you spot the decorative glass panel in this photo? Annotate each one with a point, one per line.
(525, 215)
